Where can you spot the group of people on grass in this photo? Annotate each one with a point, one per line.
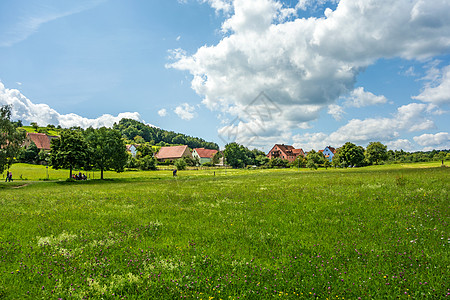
(79, 176)
(8, 176)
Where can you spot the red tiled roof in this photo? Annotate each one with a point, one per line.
(298, 151)
(205, 153)
(135, 146)
(41, 140)
(284, 147)
(171, 152)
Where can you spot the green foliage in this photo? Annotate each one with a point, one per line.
(376, 152)
(316, 157)
(216, 158)
(69, 151)
(311, 164)
(43, 156)
(238, 156)
(299, 162)
(107, 149)
(261, 160)
(192, 161)
(29, 154)
(11, 138)
(34, 125)
(147, 162)
(132, 128)
(351, 155)
(144, 150)
(278, 162)
(132, 162)
(180, 164)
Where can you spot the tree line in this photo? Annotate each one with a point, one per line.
(349, 155)
(139, 133)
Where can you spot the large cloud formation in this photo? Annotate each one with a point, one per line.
(25, 110)
(305, 65)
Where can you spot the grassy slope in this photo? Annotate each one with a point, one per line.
(370, 233)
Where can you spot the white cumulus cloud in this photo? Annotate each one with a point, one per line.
(437, 91)
(408, 118)
(27, 111)
(360, 98)
(305, 65)
(185, 111)
(162, 112)
(432, 141)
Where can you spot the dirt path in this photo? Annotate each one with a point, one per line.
(21, 186)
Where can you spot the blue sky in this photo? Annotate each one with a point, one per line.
(330, 71)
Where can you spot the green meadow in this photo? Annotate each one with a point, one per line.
(379, 232)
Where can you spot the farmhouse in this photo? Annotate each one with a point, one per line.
(329, 152)
(41, 140)
(286, 152)
(204, 155)
(173, 153)
(132, 149)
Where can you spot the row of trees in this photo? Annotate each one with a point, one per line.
(102, 149)
(349, 155)
(11, 138)
(139, 133)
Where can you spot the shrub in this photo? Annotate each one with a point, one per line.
(147, 163)
(180, 164)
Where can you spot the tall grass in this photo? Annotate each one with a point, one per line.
(377, 232)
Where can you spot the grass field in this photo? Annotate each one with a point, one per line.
(376, 232)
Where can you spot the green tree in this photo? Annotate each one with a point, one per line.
(216, 158)
(144, 150)
(261, 160)
(11, 139)
(29, 154)
(337, 161)
(107, 150)
(69, 151)
(278, 162)
(351, 155)
(180, 164)
(35, 126)
(376, 152)
(311, 164)
(235, 155)
(317, 157)
(147, 162)
(300, 161)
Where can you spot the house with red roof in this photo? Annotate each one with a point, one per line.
(203, 155)
(173, 153)
(41, 140)
(286, 152)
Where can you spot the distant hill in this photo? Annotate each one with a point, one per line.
(157, 136)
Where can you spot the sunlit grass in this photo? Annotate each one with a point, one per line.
(378, 232)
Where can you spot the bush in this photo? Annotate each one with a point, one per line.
(180, 164)
(147, 163)
(311, 164)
